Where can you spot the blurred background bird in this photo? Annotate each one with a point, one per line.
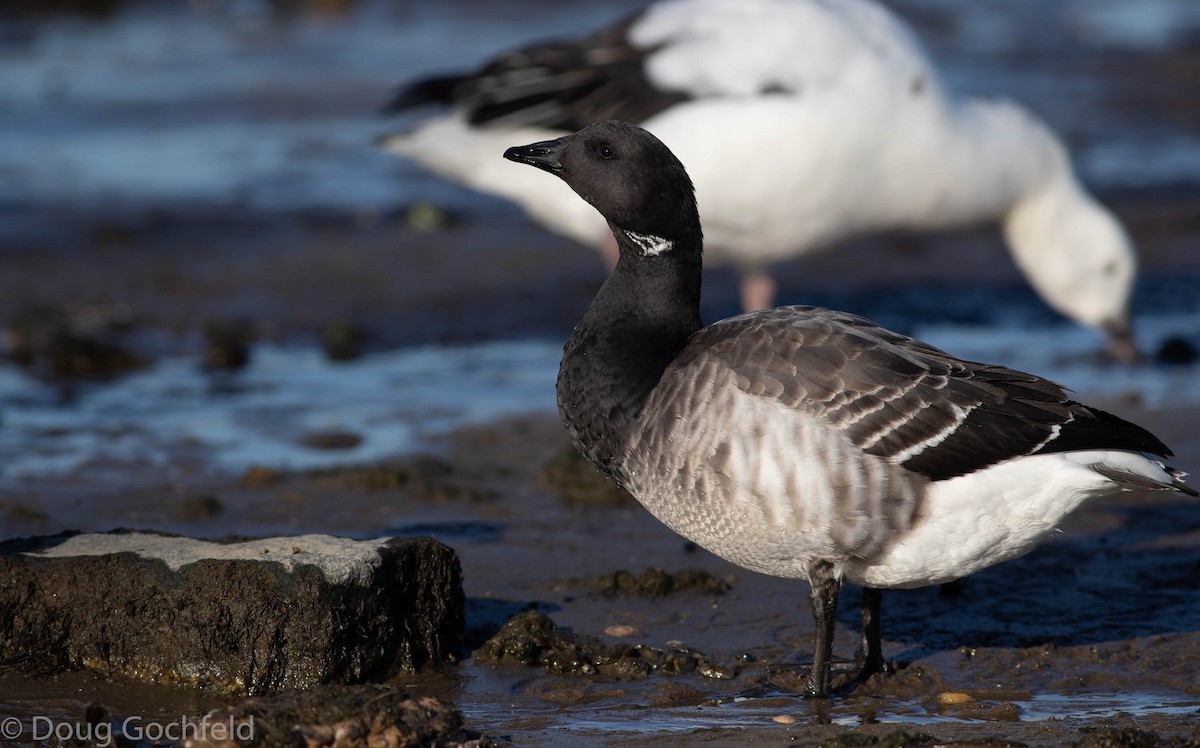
(803, 123)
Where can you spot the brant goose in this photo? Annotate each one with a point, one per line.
(831, 121)
(803, 442)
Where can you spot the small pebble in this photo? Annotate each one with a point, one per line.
(785, 719)
(620, 629)
(951, 698)
(343, 339)
(227, 344)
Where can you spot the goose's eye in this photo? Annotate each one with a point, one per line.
(606, 152)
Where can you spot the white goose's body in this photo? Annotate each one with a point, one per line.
(801, 123)
(800, 199)
(857, 182)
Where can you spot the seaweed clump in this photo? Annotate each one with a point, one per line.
(533, 639)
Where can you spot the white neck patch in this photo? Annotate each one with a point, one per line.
(650, 244)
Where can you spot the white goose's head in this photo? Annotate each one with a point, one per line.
(1078, 257)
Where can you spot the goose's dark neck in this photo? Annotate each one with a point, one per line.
(640, 319)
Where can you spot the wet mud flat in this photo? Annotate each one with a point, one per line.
(1098, 629)
(1095, 629)
(155, 279)
(625, 634)
(1106, 632)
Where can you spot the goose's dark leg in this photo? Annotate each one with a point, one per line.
(824, 605)
(868, 657)
(870, 648)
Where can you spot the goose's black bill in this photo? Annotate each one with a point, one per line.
(543, 155)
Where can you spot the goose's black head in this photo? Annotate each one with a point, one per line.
(649, 306)
(628, 175)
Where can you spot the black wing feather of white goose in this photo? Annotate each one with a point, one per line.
(562, 85)
(901, 399)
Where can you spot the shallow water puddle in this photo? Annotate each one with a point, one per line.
(275, 412)
(636, 717)
(1040, 707)
(1051, 705)
(390, 402)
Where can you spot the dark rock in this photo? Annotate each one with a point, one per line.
(532, 638)
(59, 343)
(343, 339)
(573, 478)
(197, 508)
(227, 345)
(331, 440)
(245, 617)
(1177, 351)
(74, 357)
(521, 640)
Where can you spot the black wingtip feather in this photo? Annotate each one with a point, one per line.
(558, 85)
(1092, 428)
(437, 90)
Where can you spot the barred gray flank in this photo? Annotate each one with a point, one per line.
(903, 400)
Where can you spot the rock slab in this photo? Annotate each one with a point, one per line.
(251, 616)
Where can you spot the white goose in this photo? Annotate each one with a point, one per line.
(802, 442)
(802, 123)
